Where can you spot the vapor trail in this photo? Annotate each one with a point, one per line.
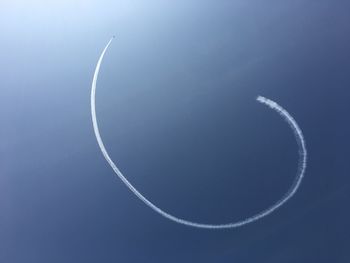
(273, 105)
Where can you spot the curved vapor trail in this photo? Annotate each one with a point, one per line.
(273, 105)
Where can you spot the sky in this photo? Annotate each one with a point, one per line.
(177, 111)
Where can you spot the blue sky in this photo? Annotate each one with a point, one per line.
(177, 111)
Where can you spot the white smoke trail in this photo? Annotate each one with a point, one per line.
(273, 105)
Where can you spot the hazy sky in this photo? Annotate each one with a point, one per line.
(177, 112)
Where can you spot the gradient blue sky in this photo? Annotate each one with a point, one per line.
(177, 111)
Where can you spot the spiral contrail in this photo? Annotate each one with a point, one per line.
(273, 105)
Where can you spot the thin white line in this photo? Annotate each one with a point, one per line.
(273, 105)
